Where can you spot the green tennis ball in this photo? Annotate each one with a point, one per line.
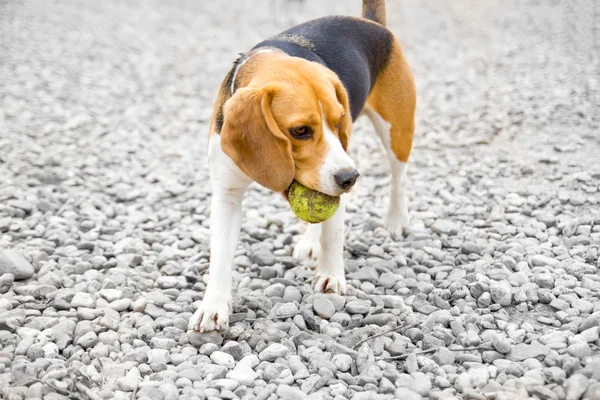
(310, 205)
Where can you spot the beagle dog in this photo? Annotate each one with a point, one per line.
(285, 112)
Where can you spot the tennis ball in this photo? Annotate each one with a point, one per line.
(310, 205)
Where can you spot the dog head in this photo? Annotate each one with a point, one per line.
(292, 121)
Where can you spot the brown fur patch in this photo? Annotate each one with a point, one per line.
(394, 98)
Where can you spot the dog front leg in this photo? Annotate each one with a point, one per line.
(330, 275)
(229, 185)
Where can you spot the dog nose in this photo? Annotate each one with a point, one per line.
(346, 179)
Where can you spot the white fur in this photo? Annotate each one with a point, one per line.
(330, 274)
(309, 247)
(228, 184)
(336, 159)
(397, 217)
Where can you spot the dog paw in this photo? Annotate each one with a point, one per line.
(329, 283)
(397, 223)
(307, 248)
(210, 316)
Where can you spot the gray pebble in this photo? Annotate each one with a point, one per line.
(14, 263)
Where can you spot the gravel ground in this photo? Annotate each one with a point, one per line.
(494, 292)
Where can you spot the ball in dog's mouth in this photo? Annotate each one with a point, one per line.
(310, 205)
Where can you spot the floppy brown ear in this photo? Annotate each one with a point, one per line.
(251, 138)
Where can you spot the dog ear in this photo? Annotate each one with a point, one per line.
(330, 103)
(252, 139)
(346, 121)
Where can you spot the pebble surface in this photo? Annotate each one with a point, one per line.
(104, 212)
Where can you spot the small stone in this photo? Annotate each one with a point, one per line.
(198, 339)
(273, 351)
(405, 394)
(443, 356)
(14, 263)
(575, 386)
(224, 359)
(291, 294)
(545, 280)
(263, 257)
(323, 307)
(342, 362)
(243, 374)
(364, 274)
(358, 307)
(501, 293)
(234, 349)
(543, 261)
(579, 350)
(88, 340)
(186, 243)
(379, 319)
(444, 226)
(502, 345)
(83, 300)
(290, 393)
(559, 305)
(591, 335)
(139, 305)
(524, 351)
(471, 248)
(159, 356)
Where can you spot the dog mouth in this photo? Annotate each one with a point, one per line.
(286, 193)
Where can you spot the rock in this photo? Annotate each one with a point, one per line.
(291, 294)
(524, 351)
(234, 349)
(63, 332)
(198, 339)
(243, 374)
(422, 383)
(358, 307)
(323, 307)
(262, 257)
(579, 350)
(273, 351)
(591, 335)
(406, 394)
(471, 248)
(159, 356)
(501, 293)
(575, 386)
(290, 393)
(364, 274)
(83, 300)
(502, 345)
(224, 359)
(364, 358)
(6, 282)
(342, 362)
(443, 356)
(559, 305)
(88, 340)
(130, 382)
(541, 260)
(379, 319)
(444, 226)
(14, 263)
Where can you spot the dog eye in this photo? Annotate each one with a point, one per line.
(301, 132)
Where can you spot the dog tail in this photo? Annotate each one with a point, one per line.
(374, 10)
